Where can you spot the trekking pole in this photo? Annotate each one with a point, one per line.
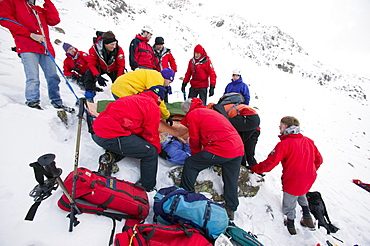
(60, 71)
(75, 176)
(184, 93)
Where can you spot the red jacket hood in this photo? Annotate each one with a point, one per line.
(138, 36)
(199, 49)
(196, 103)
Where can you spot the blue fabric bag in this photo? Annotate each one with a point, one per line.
(176, 150)
(175, 205)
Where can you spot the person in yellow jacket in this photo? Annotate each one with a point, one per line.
(134, 82)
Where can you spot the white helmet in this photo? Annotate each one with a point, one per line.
(237, 71)
(147, 28)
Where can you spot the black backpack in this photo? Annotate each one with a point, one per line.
(98, 34)
(231, 98)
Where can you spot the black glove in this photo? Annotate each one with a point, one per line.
(183, 86)
(169, 90)
(211, 90)
(169, 120)
(75, 76)
(164, 155)
(101, 81)
(76, 69)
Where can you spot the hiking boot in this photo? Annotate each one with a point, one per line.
(107, 163)
(61, 106)
(306, 221)
(230, 213)
(34, 104)
(290, 227)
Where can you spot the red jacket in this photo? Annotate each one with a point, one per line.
(300, 159)
(164, 59)
(136, 114)
(141, 53)
(97, 58)
(212, 132)
(200, 72)
(21, 12)
(78, 61)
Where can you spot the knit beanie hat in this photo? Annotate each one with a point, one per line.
(66, 46)
(160, 90)
(168, 73)
(199, 49)
(159, 40)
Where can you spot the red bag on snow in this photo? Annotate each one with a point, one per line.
(158, 235)
(106, 193)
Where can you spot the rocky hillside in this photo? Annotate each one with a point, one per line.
(261, 44)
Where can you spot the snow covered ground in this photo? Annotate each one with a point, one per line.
(338, 124)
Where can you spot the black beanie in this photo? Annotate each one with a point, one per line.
(159, 40)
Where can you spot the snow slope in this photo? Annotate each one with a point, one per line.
(336, 122)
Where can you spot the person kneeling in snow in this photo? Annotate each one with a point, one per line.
(129, 127)
(75, 64)
(300, 159)
(213, 141)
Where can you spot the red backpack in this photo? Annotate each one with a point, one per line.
(106, 193)
(158, 235)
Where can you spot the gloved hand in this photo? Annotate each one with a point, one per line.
(89, 94)
(101, 81)
(169, 90)
(76, 69)
(74, 76)
(164, 155)
(169, 120)
(211, 90)
(183, 86)
(37, 37)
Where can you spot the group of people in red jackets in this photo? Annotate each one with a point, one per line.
(129, 126)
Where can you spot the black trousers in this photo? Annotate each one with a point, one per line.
(249, 139)
(230, 174)
(136, 147)
(202, 92)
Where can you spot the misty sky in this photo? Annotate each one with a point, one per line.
(337, 32)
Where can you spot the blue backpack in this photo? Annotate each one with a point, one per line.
(175, 205)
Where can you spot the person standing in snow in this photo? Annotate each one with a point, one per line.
(136, 81)
(163, 59)
(238, 86)
(29, 25)
(246, 121)
(213, 141)
(300, 159)
(75, 64)
(201, 75)
(105, 57)
(129, 127)
(141, 53)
